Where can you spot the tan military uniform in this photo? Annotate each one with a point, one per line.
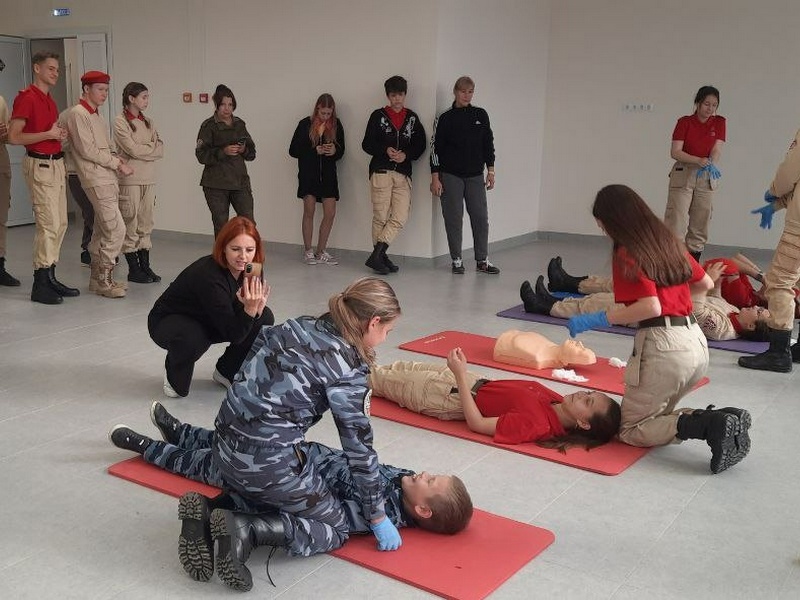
(141, 147)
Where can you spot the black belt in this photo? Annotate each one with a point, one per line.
(45, 156)
(380, 171)
(668, 321)
(478, 385)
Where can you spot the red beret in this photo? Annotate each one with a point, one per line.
(91, 77)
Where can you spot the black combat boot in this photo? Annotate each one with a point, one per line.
(777, 358)
(558, 280)
(237, 535)
(375, 260)
(538, 301)
(126, 438)
(58, 287)
(795, 351)
(135, 272)
(195, 544)
(144, 261)
(393, 268)
(42, 291)
(168, 425)
(6, 278)
(725, 432)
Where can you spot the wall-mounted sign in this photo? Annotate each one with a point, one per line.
(60, 12)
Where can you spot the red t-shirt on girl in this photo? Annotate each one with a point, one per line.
(699, 138)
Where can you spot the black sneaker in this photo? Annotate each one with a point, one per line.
(126, 438)
(168, 425)
(458, 267)
(195, 545)
(484, 266)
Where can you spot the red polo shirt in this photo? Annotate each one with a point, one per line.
(524, 409)
(676, 300)
(699, 138)
(39, 112)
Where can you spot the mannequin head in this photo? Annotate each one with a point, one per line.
(574, 352)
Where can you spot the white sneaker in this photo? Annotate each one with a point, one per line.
(168, 391)
(309, 258)
(221, 379)
(323, 258)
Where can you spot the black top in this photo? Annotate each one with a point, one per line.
(462, 142)
(221, 171)
(316, 173)
(207, 292)
(382, 134)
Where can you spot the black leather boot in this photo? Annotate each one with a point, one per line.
(725, 431)
(795, 351)
(195, 543)
(558, 280)
(393, 268)
(6, 278)
(777, 358)
(60, 288)
(42, 291)
(375, 260)
(144, 261)
(538, 301)
(237, 534)
(135, 272)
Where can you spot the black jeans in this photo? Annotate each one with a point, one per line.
(185, 339)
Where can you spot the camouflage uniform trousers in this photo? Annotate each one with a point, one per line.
(281, 479)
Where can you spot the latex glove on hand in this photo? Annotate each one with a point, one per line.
(713, 172)
(766, 213)
(580, 323)
(387, 535)
(769, 196)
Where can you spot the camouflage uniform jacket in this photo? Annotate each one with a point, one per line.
(293, 373)
(333, 466)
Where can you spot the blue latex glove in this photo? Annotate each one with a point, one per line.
(766, 213)
(387, 535)
(713, 172)
(581, 323)
(768, 197)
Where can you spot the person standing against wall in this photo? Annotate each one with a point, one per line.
(80, 197)
(139, 144)
(223, 147)
(394, 138)
(98, 169)
(34, 125)
(696, 147)
(317, 143)
(461, 147)
(6, 278)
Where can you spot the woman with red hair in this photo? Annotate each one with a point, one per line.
(213, 300)
(317, 143)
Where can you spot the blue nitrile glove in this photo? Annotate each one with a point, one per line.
(766, 213)
(581, 323)
(713, 172)
(769, 197)
(387, 534)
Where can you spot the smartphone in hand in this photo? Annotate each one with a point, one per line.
(254, 270)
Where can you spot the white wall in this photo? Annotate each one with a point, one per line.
(606, 53)
(278, 56)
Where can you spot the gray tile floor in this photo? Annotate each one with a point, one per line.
(664, 529)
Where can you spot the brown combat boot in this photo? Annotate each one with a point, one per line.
(105, 284)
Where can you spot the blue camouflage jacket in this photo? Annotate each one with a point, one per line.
(293, 373)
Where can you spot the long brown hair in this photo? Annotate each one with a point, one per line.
(329, 132)
(602, 428)
(234, 228)
(652, 247)
(357, 305)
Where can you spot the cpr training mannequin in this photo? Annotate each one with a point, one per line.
(533, 350)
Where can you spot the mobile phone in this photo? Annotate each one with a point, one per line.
(253, 270)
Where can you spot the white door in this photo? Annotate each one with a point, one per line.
(93, 56)
(13, 78)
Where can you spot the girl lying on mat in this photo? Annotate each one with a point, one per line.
(511, 411)
(717, 318)
(437, 503)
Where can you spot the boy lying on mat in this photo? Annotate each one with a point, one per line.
(717, 318)
(512, 411)
(437, 503)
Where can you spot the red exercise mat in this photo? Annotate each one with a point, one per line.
(609, 459)
(467, 566)
(480, 351)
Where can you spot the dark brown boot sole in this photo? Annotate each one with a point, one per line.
(195, 545)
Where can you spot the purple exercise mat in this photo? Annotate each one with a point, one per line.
(518, 312)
